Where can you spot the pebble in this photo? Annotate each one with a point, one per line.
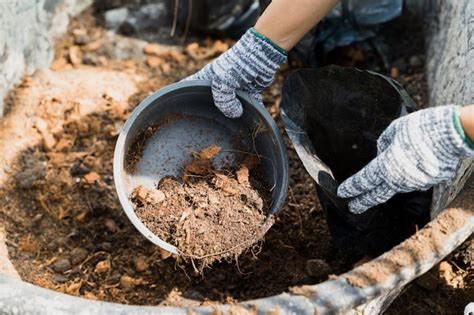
(78, 255)
(60, 278)
(317, 268)
(140, 264)
(61, 265)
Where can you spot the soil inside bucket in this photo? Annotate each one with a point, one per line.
(66, 230)
(209, 215)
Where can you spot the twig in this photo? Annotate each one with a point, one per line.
(93, 256)
(300, 219)
(175, 18)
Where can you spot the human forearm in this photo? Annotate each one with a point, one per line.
(286, 22)
(466, 115)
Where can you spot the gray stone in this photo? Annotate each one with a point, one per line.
(78, 255)
(61, 265)
(27, 32)
(115, 17)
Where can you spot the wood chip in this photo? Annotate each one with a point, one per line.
(59, 64)
(243, 175)
(146, 195)
(64, 144)
(48, 139)
(156, 50)
(91, 178)
(154, 61)
(127, 282)
(75, 55)
(176, 56)
(102, 266)
(28, 244)
(210, 152)
(140, 264)
(74, 288)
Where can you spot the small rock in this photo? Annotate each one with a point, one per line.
(61, 265)
(114, 18)
(102, 266)
(78, 169)
(317, 268)
(140, 264)
(78, 255)
(60, 278)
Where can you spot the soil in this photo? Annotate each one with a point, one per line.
(209, 215)
(65, 227)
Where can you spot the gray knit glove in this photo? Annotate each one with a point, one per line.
(249, 65)
(415, 152)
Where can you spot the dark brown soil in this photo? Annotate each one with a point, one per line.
(65, 227)
(209, 215)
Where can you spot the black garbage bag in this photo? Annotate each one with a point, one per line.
(334, 116)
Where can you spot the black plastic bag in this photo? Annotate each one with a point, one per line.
(334, 116)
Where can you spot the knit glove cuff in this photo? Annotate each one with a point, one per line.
(462, 144)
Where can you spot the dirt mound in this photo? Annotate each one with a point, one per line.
(210, 216)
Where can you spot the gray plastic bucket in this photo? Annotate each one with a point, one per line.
(197, 124)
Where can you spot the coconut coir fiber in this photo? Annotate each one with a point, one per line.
(208, 215)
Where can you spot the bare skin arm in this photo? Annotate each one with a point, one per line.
(286, 22)
(466, 115)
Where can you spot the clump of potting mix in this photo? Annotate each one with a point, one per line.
(209, 214)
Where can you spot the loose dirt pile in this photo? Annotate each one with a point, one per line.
(210, 215)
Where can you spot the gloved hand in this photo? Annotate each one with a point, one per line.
(249, 65)
(415, 152)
